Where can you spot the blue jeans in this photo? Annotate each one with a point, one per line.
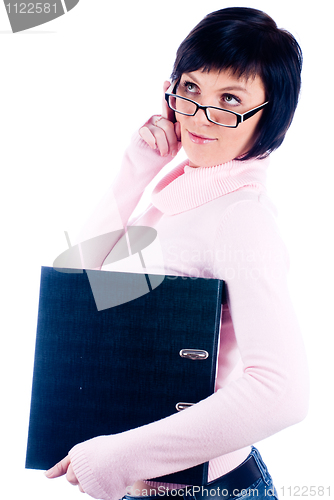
(262, 489)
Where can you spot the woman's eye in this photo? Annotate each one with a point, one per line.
(231, 99)
(190, 87)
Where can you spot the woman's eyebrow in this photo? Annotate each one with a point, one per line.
(234, 87)
(230, 88)
(191, 77)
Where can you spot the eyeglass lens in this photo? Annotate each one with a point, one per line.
(189, 108)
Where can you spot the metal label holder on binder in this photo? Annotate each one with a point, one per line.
(100, 372)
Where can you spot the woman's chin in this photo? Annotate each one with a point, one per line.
(200, 156)
(207, 162)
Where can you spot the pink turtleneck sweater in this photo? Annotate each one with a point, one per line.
(212, 222)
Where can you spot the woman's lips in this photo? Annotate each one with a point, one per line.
(199, 139)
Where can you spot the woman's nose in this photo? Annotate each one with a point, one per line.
(200, 117)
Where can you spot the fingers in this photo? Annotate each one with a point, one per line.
(59, 469)
(71, 477)
(64, 467)
(148, 136)
(166, 139)
(162, 132)
(159, 133)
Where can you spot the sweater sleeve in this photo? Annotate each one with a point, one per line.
(107, 222)
(271, 393)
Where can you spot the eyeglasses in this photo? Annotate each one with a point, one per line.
(219, 116)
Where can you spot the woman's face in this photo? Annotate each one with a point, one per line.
(207, 144)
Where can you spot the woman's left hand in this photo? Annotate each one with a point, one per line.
(64, 467)
(162, 132)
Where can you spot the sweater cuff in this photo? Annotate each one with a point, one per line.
(84, 473)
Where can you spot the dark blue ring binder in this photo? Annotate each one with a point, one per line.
(99, 372)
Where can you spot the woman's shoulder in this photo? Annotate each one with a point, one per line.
(250, 221)
(244, 206)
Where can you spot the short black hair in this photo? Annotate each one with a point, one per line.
(248, 42)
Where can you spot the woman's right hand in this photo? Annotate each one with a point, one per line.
(161, 132)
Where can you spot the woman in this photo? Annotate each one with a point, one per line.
(234, 90)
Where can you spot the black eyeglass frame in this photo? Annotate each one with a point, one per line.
(240, 117)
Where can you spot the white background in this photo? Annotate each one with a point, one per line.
(69, 105)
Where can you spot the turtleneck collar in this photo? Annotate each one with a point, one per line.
(187, 187)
